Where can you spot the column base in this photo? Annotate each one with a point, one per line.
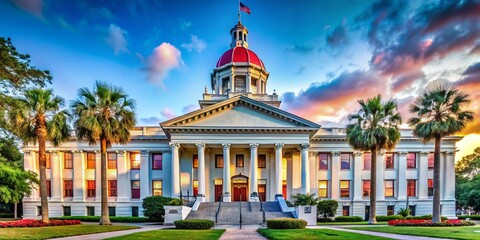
(201, 199)
(227, 199)
(254, 199)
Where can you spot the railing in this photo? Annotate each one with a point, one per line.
(187, 200)
(240, 204)
(261, 208)
(218, 209)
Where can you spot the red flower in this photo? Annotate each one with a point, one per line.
(37, 223)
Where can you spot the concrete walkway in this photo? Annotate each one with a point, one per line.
(247, 232)
(95, 236)
(378, 234)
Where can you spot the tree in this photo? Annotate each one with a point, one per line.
(38, 118)
(469, 166)
(327, 209)
(305, 199)
(439, 113)
(154, 207)
(103, 115)
(374, 127)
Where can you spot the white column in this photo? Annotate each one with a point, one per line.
(248, 83)
(201, 172)
(56, 176)
(144, 174)
(278, 168)
(357, 176)
(380, 175)
(422, 176)
(253, 171)
(449, 179)
(402, 175)
(78, 176)
(29, 165)
(123, 176)
(305, 170)
(335, 182)
(227, 188)
(98, 177)
(175, 170)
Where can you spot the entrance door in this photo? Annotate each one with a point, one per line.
(262, 191)
(218, 192)
(240, 193)
(284, 189)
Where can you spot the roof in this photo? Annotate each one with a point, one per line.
(239, 55)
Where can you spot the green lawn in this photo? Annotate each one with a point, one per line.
(175, 234)
(57, 231)
(439, 232)
(348, 223)
(307, 234)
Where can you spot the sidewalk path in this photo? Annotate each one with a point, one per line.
(378, 234)
(95, 236)
(247, 232)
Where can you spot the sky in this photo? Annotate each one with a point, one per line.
(322, 55)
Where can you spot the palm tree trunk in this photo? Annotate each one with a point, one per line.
(373, 188)
(42, 136)
(15, 212)
(104, 219)
(436, 181)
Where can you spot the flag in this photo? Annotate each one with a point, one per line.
(244, 8)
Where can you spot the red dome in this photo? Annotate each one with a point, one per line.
(239, 55)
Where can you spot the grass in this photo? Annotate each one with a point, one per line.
(58, 231)
(175, 234)
(307, 234)
(439, 232)
(349, 223)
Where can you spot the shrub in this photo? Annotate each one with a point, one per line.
(348, 219)
(429, 223)
(289, 204)
(304, 199)
(153, 207)
(473, 217)
(326, 209)
(6, 215)
(198, 224)
(403, 212)
(97, 219)
(175, 202)
(388, 218)
(37, 223)
(286, 223)
(423, 217)
(324, 220)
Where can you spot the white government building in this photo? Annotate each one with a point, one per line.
(238, 143)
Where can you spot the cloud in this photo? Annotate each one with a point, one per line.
(190, 108)
(167, 113)
(184, 25)
(116, 39)
(102, 12)
(404, 81)
(164, 58)
(300, 48)
(339, 36)
(300, 70)
(34, 7)
(150, 121)
(194, 44)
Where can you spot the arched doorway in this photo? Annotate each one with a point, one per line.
(239, 187)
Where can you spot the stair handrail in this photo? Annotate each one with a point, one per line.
(261, 208)
(240, 204)
(218, 209)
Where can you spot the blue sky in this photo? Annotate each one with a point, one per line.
(322, 55)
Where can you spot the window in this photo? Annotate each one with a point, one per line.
(67, 160)
(195, 161)
(390, 210)
(323, 188)
(367, 161)
(49, 188)
(345, 160)
(157, 161)
(412, 209)
(195, 188)
(389, 188)
(430, 187)
(240, 85)
(323, 161)
(430, 160)
(366, 188)
(411, 160)
(253, 85)
(91, 159)
(67, 211)
(39, 210)
(134, 211)
(157, 188)
(48, 158)
(411, 188)
(346, 210)
(262, 161)
(112, 211)
(345, 188)
(224, 85)
(68, 188)
(239, 160)
(112, 160)
(218, 161)
(90, 211)
(112, 188)
(91, 189)
(389, 161)
(134, 161)
(136, 189)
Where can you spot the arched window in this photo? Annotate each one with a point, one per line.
(241, 35)
(245, 36)
(240, 83)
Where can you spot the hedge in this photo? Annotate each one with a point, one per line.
(348, 219)
(6, 215)
(97, 219)
(388, 218)
(37, 223)
(286, 223)
(197, 224)
(472, 217)
(423, 217)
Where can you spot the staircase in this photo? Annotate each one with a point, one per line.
(230, 212)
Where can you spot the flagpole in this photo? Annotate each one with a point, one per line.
(239, 18)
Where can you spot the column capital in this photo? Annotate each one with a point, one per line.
(121, 153)
(381, 152)
(278, 146)
(358, 153)
(424, 153)
(226, 146)
(27, 152)
(174, 145)
(304, 146)
(335, 153)
(253, 145)
(450, 153)
(144, 152)
(403, 153)
(77, 151)
(55, 152)
(200, 146)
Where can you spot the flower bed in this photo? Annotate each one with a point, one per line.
(37, 223)
(429, 223)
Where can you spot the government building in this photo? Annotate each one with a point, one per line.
(240, 146)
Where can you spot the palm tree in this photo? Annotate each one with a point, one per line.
(375, 127)
(38, 118)
(103, 115)
(439, 113)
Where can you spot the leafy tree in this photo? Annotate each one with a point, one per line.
(327, 209)
(439, 113)
(374, 127)
(38, 118)
(103, 115)
(469, 166)
(154, 207)
(304, 199)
